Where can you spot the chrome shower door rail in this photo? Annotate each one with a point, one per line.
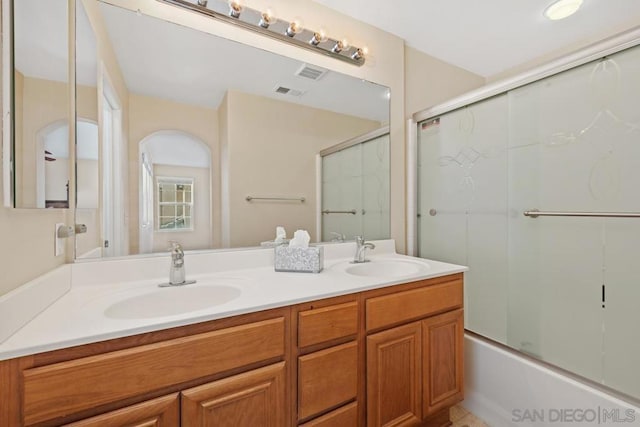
(285, 199)
(351, 212)
(534, 213)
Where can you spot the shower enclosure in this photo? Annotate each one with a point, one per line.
(561, 284)
(355, 188)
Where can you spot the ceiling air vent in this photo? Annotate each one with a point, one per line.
(288, 91)
(309, 72)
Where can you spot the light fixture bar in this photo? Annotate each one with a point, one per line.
(252, 19)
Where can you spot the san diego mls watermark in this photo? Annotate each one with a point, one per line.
(580, 416)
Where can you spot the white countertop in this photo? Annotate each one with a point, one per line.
(78, 317)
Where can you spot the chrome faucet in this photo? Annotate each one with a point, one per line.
(361, 246)
(177, 273)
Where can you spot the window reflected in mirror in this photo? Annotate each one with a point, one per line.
(175, 203)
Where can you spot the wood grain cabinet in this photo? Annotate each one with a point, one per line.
(161, 412)
(394, 380)
(252, 399)
(442, 365)
(328, 362)
(415, 370)
(384, 357)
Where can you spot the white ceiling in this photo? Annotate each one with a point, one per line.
(489, 36)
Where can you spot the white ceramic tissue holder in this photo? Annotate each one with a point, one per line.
(300, 260)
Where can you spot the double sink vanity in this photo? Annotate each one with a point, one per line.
(376, 343)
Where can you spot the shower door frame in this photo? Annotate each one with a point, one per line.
(588, 54)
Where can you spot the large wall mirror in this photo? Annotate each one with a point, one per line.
(37, 170)
(186, 136)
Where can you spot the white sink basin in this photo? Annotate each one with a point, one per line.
(387, 268)
(170, 301)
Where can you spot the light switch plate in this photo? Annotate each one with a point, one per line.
(59, 249)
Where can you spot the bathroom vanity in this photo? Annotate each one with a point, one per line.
(377, 352)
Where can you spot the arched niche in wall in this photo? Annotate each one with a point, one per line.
(174, 191)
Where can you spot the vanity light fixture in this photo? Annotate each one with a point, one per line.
(561, 9)
(264, 22)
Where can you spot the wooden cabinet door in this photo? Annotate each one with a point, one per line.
(252, 399)
(327, 379)
(442, 370)
(345, 416)
(394, 377)
(161, 412)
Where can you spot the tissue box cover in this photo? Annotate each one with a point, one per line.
(303, 260)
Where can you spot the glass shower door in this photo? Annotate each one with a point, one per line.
(562, 287)
(355, 191)
(463, 205)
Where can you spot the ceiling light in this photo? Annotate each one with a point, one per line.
(562, 9)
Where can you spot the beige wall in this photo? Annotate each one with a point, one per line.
(430, 81)
(272, 148)
(28, 236)
(44, 102)
(148, 115)
(200, 236)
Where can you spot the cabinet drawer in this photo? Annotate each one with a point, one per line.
(327, 379)
(160, 412)
(327, 323)
(413, 304)
(347, 416)
(65, 388)
(254, 398)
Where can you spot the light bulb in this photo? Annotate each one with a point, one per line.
(337, 48)
(234, 8)
(318, 37)
(345, 44)
(357, 55)
(267, 18)
(295, 27)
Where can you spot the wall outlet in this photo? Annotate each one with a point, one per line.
(59, 245)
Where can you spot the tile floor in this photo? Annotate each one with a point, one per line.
(460, 417)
